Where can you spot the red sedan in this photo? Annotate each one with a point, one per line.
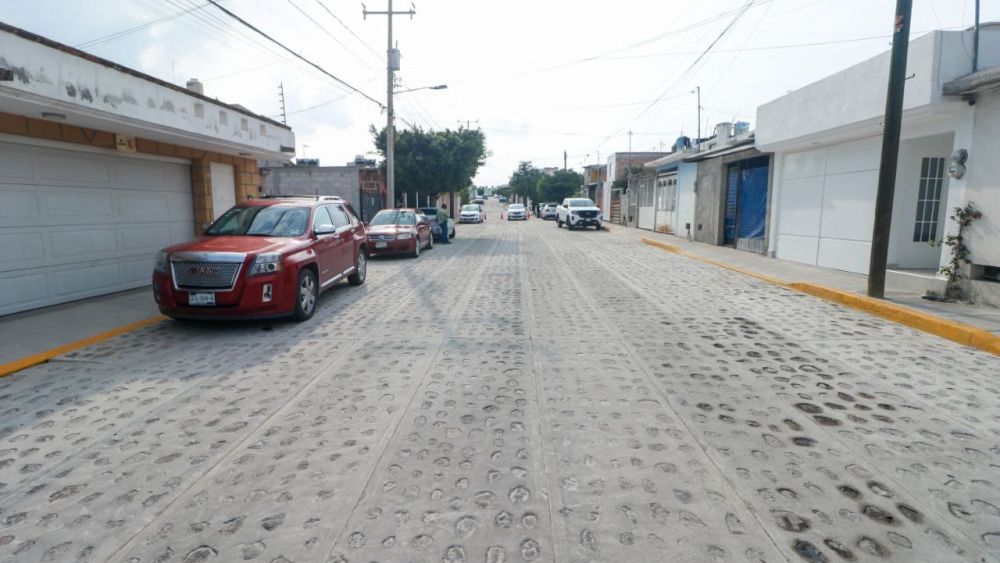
(399, 231)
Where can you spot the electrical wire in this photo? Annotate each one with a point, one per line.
(332, 36)
(739, 14)
(129, 31)
(351, 31)
(296, 55)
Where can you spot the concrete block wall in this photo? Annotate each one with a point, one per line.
(248, 181)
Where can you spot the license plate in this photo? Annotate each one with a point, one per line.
(201, 298)
(381, 245)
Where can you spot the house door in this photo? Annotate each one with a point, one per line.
(746, 205)
(732, 196)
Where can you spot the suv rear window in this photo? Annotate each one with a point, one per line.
(269, 221)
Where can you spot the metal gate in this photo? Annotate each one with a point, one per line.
(371, 203)
(746, 205)
(639, 202)
(665, 204)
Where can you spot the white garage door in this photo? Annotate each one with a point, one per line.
(76, 224)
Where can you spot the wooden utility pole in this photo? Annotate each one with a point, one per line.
(890, 150)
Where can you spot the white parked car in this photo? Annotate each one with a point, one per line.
(517, 212)
(549, 211)
(578, 212)
(471, 213)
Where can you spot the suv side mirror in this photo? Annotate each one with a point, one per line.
(325, 229)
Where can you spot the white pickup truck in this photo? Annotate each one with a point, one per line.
(578, 212)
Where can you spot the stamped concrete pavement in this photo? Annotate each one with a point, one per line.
(524, 394)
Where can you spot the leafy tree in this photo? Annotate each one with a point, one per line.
(562, 184)
(434, 162)
(524, 181)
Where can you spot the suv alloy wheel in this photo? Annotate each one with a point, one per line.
(360, 269)
(306, 295)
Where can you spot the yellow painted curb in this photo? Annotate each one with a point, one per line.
(677, 250)
(952, 330)
(957, 332)
(664, 246)
(42, 357)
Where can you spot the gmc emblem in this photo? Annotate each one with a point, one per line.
(203, 271)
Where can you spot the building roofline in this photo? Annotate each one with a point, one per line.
(24, 34)
(742, 144)
(983, 80)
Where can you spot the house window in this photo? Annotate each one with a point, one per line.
(929, 200)
(223, 118)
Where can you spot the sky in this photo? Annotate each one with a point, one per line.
(539, 77)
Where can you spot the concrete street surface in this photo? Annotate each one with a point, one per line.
(524, 394)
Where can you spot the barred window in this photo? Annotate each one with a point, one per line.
(929, 199)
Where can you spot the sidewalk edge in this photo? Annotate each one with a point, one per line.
(961, 333)
(42, 357)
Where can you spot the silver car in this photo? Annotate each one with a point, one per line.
(517, 212)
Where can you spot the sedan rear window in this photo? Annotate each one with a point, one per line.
(471, 207)
(269, 221)
(394, 218)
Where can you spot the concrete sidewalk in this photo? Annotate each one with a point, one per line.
(35, 332)
(980, 316)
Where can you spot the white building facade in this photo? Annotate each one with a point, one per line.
(826, 140)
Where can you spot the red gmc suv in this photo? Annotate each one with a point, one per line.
(263, 258)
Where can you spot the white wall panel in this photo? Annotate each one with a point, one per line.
(801, 202)
(76, 224)
(854, 156)
(797, 249)
(849, 205)
(804, 164)
(848, 255)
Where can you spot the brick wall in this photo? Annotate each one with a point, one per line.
(247, 174)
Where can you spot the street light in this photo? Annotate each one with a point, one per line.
(438, 87)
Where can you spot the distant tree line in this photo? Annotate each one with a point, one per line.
(534, 184)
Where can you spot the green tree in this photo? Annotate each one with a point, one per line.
(524, 181)
(562, 184)
(434, 162)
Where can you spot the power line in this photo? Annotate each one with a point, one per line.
(746, 7)
(351, 31)
(129, 31)
(332, 36)
(642, 42)
(296, 55)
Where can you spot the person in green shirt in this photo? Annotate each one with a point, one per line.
(442, 217)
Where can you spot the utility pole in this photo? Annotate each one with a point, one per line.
(975, 51)
(698, 140)
(564, 161)
(281, 96)
(890, 150)
(392, 65)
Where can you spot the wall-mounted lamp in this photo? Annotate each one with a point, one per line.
(957, 167)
